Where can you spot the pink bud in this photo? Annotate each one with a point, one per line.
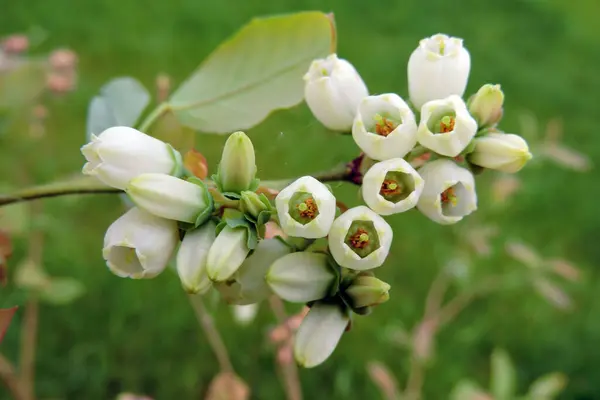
(15, 44)
(63, 59)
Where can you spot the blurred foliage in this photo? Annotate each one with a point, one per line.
(142, 337)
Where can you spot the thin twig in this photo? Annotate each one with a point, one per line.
(436, 293)
(212, 334)
(289, 371)
(416, 378)
(11, 380)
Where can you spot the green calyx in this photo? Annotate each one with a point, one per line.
(362, 238)
(235, 219)
(207, 212)
(397, 186)
(303, 208)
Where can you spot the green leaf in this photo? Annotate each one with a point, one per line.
(120, 103)
(503, 376)
(61, 291)
(548, 386)
(22, 85)
(255, 72)
(468, 390)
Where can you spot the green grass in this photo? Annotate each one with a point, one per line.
(142, 336)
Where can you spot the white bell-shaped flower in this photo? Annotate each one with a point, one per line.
(446, 126)
(500, 151)
(119, 154)
(227, 253)
(359, 239)
(139, 244)
(384, 127)
(333, 89)
(306, 208)
(170, 197)
(391, 187)
(248, 285)
(301, 277)
(449, 192)
(319, 333)
(438, 68)
(192, 257)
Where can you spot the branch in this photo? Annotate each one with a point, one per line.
(91, 185)
(212, 334)
(289, 371)
(11, 380)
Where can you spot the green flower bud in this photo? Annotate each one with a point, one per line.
(486, 105)
(253, 204)
(237, 169)
(367, 291)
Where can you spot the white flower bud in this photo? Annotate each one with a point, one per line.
(244, 314)
(139, 244)
(237, 169)
(391, 187)
(169, 197)
(449, 192)
(119, 154)
(249, 284)
(301, 277)
(192, 256)
(384, 127)
(446, 126)
(306, 208)
(228, 252)
(438, 68)
(486, 105)
(319, 334)
(359, 239)
(500, 151)
(333, 89)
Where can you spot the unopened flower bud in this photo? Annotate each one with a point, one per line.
(301, 277)
(384, 127)
(500, 151)
(139, 244)
(248, 285)
(391, 187)
(253, 204)
(486, 105)
(63, 59)
(170, 197)
(333, 89)
(449, 192)
(192, 256)
(227, 253)
(367, 291)
(306, 208)
(359, 239)
(446, 126)
(319, 333)
(237, 169)
(119, 154)
(15, 44)
(438, 68)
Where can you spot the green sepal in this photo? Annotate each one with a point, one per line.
(337, 270)
(254, 185)
(234, 195)
(207, 212)
(178, 170)
(236, 219)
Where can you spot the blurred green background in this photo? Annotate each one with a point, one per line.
(142, 336)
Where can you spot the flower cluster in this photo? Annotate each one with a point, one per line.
(448, 138)
(422, 155)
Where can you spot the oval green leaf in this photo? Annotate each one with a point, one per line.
(255, 72)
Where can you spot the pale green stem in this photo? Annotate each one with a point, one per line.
(154, 116)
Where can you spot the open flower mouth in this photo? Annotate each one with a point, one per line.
(362, 238)
(442, 121)
(303, 207)
(384, 123)
(397, 186)
(126, 259)
(442, 45)
(454, 201)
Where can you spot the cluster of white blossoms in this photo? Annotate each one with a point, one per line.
(214, 229)
(455, 137)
